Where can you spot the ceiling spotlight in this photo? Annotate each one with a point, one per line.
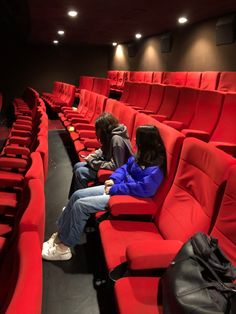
(182, 20)
(61, 32)
(55, 42)
(138, 35)
(72, 13)
(114, 44)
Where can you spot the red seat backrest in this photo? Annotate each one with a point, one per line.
(148, 77)
(208, 108)
(169, 101)
(186, 105)
(209, 80)
(142, 95)
(227, 82)
(156, 96)
(193, 79)
(225, 226)
(157, 77)
(192, 203)
(225, 130)
(174, 78)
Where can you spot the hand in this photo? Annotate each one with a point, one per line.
(109, 183)
(107, 189)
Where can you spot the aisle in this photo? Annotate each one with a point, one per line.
(68, 285)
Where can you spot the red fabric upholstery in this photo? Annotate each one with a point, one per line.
(227, 82)
(186, 208)
(184, 109)
(209, 104)
(174, 78)
(168, 104)
(193, 79)
(21, 273)
(224, 135)
(101, 86)
(157, 77)
(112, 76)
(155, 99)
(209, 80)
(142, 96)
(225, 226)
(137, 295)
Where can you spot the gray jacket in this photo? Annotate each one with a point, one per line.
(119, 151)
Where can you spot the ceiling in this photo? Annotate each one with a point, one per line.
(100, 22)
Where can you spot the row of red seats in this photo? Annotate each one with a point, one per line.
(63, 94)
(205, 114)
(179, 209)
(95, 84)
(211, 80)
(201, 198)
(24, 165)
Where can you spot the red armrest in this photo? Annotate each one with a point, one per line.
(10, 162)
(87, 134)
(103, 175)
(19, 140)
(21, 133)
(10, 179)
(91, 144)
(175, 124)
(159, 117)
(152, 254)
(229, 148)
(201, 135)
(78, 120)
(130, 205)
(16, 150)
(84, 126)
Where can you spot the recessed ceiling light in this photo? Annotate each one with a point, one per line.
(61, 32)
(138, 35)
(114, 44)
(182, 20)
(72, 13)
(55, 42)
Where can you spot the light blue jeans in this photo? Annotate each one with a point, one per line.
(82, 174)
(81, 205)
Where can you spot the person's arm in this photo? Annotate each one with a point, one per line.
(120, 174)
(145, 187)
(118, 154)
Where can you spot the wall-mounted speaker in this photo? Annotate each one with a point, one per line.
(132, 49)
(166, 42)
(225, 30)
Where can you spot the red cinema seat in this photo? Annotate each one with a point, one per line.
(209, 80)
(187, 209)
(142, 93)
(206, 115)
(168, 104)
(21, 273)
(148, 77)
(139, 294)
(227, 82)
(224, 135)
(157, 77)
(193, 79)
(172, 140)
(184, 110)
(136, 76)
(101, 86)
(122, 77)
(174, 78)
(112, 76)
(155, 99)
(86, 82)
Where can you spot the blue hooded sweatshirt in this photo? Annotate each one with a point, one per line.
(131, 179)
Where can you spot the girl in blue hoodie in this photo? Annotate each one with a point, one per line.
(141, 176)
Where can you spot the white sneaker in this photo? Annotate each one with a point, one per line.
(50, 242)
(54, 253)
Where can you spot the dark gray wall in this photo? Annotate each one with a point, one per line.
(39, 67)
(193, 49)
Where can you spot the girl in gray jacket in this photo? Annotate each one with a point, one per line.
(114, 152)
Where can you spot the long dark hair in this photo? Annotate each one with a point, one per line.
(104, 125)
(151, 149)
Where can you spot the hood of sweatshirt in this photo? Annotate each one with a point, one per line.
(121, 130)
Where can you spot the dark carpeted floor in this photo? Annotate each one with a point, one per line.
(69, 285)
